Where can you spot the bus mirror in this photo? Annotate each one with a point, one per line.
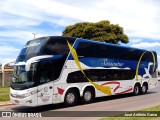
(35, 59)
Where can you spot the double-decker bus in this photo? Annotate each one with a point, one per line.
(58, 69)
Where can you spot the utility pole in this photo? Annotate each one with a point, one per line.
(34, 35)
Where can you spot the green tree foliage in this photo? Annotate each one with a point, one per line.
(102, 31)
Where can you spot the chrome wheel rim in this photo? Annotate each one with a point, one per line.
(136, 90)
(70, 98)
(87, 96)
(144, 89)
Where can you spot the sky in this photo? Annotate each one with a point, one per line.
(20, 18)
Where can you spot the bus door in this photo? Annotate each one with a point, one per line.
(45, 88)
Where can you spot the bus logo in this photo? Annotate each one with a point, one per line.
(112, 64)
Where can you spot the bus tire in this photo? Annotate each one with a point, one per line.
(144, 89)
(70, 98)
(88, 96)
(137, 89)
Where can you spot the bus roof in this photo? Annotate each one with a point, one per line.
(110, 44)
(48, 37)
(92, 41)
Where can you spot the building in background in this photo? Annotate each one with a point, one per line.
(8, 72)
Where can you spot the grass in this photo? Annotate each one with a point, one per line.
(4, 94)
(151, 109)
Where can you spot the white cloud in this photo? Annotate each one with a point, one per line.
(23, 36)
(8, 54)
(146, 45)
(8, 51)
(34, 12)
(135, 40)
(145, 34)
(4, 60)
(133, 15)
(139, 18)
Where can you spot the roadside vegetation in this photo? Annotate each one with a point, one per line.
(102, 31)
(4, 94)
(120, 117)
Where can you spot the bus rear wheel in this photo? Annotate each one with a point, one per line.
(88, 96)
(136, 90)
(70, 98)
(144, 89)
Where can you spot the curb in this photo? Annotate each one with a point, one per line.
(6, 103)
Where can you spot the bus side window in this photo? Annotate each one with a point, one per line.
(45, 73)
(44, 77)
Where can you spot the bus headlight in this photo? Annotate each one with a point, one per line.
(24, 95)
(29, 93)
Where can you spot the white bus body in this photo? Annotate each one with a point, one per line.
(44, 76)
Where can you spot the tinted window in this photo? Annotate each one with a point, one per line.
(148, 57)
(101, 75)
(85, 49)
(24, 79)
(57, 46)
(50, 70)
(31, 49)
(45, 72)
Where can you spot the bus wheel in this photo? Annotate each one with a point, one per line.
(144, 89)
(136, 90)
(88, 96)
(70, 98)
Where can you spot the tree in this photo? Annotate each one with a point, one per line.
(102, 31)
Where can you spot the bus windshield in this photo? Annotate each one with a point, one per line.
(45, 46)
(23, 79)
(31, 49)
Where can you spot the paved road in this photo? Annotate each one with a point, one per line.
(126, 102)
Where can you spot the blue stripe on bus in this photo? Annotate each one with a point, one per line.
(97, 62)
(110, 63)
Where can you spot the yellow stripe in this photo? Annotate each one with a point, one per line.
(154, 61)
(104, 89)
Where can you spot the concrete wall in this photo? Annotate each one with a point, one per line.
(7, 78)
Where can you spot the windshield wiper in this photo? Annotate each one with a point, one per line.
(15, 76)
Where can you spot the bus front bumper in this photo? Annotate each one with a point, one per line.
(28, 101)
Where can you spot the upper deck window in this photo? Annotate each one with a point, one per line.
(32, 48)
(57, 46)
(88, 49)
(45, 46)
